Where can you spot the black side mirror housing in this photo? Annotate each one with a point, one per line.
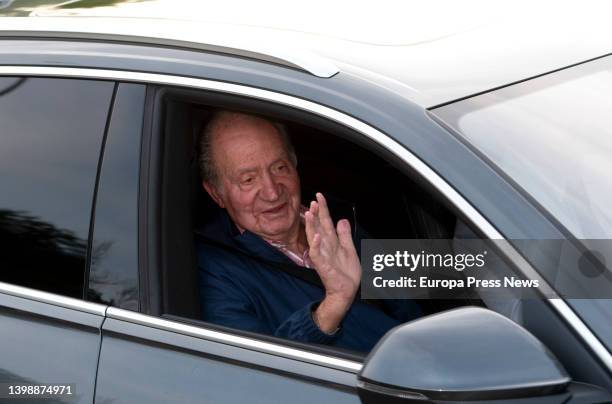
(464, 355)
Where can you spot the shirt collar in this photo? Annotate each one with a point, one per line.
(268, 249)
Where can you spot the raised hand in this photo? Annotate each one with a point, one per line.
(335, 259)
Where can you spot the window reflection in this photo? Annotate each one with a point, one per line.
(50, 141)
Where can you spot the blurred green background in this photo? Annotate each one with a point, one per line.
(22, 8)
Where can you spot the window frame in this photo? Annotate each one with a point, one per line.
(402, 153)
(396, 150)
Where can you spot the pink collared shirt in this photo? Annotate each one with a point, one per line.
(302, 260)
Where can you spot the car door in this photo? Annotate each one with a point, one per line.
(48, 340)
(151, 359)
(146, 359)
(51, 135)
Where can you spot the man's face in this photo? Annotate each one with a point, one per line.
(258, 184)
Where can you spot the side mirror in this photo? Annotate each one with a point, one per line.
(464, 355)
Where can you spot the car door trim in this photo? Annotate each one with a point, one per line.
(52, 298)
(361, 127)
(234, 340)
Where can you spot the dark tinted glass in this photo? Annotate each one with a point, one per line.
(50, 136)
(552, 136)
(113, 277)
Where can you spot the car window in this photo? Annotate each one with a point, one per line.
(355, 181)
(552, 136)
(51, 130)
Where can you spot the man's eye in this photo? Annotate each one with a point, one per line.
(247, 181)
(282, 167)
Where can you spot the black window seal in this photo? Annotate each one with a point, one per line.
(92, 218)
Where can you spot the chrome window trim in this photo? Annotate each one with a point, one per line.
(234, 340)
(54, 299)
(391, 145)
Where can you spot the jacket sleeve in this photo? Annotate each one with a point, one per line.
(300, 326)
(225, 302)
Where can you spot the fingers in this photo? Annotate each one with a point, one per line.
(320, 225)
(324, 216)
(344, 234)
(314, 208)
(311, 227)
(312, 236)
(316, 243)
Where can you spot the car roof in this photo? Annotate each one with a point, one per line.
(183, 34)
(431, 52)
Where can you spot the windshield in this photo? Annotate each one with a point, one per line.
(552, 136)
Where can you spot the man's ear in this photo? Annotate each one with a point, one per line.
(214, 194)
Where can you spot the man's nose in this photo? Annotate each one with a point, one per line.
(270, 190)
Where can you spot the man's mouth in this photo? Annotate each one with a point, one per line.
(275, 210)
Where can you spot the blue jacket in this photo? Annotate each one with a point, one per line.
(240, 292)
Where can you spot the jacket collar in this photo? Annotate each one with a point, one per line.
(224, 230)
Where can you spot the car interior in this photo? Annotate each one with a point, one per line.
(387, 201)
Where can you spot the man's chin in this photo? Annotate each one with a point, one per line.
(276, 228)
(275, 231)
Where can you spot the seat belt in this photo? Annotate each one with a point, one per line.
(305, 274)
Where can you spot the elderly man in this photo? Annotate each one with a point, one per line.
(248, 167)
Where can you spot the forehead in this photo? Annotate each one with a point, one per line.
(246, 143)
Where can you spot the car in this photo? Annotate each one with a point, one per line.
(472, 128)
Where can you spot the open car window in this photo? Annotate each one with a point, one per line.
(381, 198)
